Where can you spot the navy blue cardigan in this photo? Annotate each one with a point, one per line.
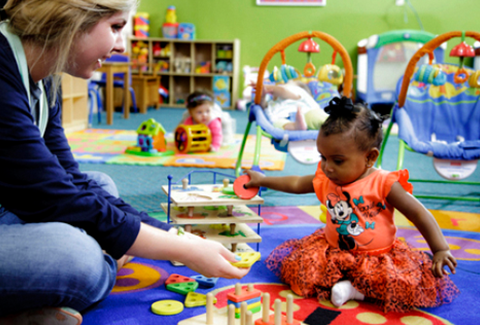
(40, 180)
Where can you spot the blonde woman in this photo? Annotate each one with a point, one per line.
(63, 233)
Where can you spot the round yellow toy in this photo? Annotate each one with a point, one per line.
(167, 307)
(192, 138)
(331, 73)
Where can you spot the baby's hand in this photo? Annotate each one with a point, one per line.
(255, 178)
(440, 259)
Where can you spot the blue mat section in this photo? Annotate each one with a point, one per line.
(133, 307)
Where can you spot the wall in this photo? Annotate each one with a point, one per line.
(261, 27)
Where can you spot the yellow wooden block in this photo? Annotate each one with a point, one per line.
(247, 259)
(195, 299)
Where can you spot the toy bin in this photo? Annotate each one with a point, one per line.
(186, 31)
(170, 30)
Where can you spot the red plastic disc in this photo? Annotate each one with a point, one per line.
(241, 191)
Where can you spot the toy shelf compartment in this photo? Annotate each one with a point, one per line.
(188, 65)
(74, 103)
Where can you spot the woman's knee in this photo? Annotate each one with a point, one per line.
(86, 268)
(53, 264)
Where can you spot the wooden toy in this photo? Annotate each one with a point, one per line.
(167, 307)
(183, 287)
(205, 282)
(192, 138)
(195, 299)
(247, 259)
(226, 315)
(246, 299)
(241, 191)
(177, 278)
(213, 214)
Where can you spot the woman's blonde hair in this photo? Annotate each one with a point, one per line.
(54, 24)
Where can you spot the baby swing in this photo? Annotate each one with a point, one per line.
(438, 114)
(300, 144)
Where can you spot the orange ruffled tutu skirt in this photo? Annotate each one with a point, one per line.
(398, 280)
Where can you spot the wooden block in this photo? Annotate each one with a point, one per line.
(249, 302)
(177, 278)
(244, 295)
(204, 281)
(195, 299)
(183, 287)
(241, 214)
(206, 195)
(248, 259)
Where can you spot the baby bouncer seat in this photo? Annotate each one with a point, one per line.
(324, 86)
(438, 114)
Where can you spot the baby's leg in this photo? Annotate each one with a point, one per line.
(344, 291)
(300, 123)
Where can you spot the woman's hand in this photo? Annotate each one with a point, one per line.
(212, 259)
(440, 259)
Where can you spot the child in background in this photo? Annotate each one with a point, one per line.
(357, 255)
(200, 108)
(292, 98)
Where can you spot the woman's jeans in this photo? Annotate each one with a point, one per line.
(52, 264)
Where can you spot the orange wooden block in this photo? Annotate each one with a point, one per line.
(244, 295)
(177, 278)
(271, 321)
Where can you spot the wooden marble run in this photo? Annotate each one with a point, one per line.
(214, 211)
(246, 315)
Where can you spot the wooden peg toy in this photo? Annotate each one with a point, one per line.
(241, 191)
(185, 183)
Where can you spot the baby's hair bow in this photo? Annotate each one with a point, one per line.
(338, 106)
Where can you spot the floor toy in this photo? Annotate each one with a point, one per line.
(177, 278)
(245, 299)
(192, 138)
(195, 299)
(205, 282)
(207, 206)
(247, 259)
(183, 287)
(226, 315)
(277, 318)
(151, 140)
(241, 191)
(167, 307)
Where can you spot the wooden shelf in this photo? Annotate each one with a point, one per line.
(207, 211)
(74, 103)
(183, 57)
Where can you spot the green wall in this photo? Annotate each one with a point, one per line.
(261, 27)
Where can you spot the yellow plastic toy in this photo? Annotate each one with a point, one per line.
(331, 73)
(323, 215)
(192, 138)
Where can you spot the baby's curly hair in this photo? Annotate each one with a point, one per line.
(199, 97)
(345, 117)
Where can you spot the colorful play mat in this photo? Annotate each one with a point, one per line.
(108, 147)
(141, 282)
